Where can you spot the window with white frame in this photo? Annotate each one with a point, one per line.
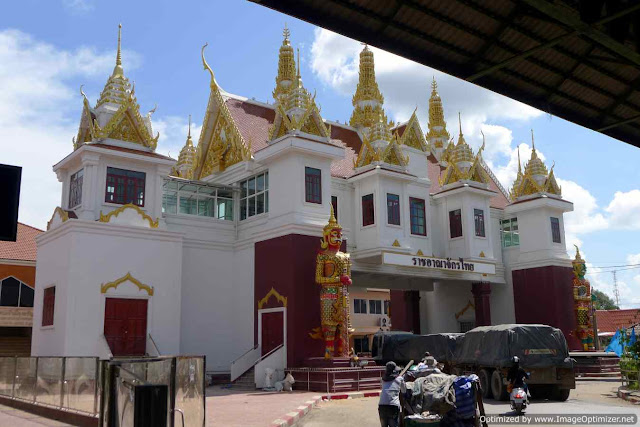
(375, 306)
(509, 232)
(14, 293)
(254, 196)
(75, 188)
(191, 198)
(360, 306)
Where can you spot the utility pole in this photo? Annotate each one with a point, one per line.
(616, 293)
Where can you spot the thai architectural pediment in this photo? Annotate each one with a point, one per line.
(59, 216)
(535, 178)
(413, 136)
(461, 164)
(116, 114)
(130, 215)
(127, 278)
(221, 144)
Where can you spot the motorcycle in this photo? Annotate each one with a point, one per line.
(519, 400)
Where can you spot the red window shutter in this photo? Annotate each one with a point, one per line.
(48, 306)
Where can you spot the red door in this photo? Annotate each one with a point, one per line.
(272, 331)
(125, 326)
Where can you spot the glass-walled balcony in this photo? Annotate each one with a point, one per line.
(183, 197)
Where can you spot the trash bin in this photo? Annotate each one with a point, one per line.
(150, 405)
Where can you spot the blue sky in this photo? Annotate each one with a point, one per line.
(49, 48)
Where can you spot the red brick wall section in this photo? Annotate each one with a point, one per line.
(545, 295)
(24, 273)
(288, 265)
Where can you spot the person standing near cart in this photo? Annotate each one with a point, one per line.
(389, 405)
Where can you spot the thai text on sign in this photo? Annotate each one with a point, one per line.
(448, 264)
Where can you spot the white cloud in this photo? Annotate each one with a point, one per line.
(78, 6)
(406, 85)
(624, 210)
(586, 216)
(173, 134)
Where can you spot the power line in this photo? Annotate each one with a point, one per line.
(609, 271)
(617, 266)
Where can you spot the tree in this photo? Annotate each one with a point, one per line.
(603, 301)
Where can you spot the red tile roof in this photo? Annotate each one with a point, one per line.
(24, 248)
(612, 320)
(253, 120)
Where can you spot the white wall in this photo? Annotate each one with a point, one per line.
(217, 304)
(438, 308)
(99, 253)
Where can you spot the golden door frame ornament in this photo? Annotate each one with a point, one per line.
(127, 277)
(272, 293)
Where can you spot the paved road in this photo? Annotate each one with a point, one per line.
(590, 397)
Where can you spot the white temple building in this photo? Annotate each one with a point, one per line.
(214, 253)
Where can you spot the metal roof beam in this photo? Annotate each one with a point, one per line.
(533, 36)
(564, 16)
(504, 25)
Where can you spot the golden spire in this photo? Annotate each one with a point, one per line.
(535, 166)
(286, 66)
(118, 68)
(186, 159)
(519, 163)
(367, 101)
(333, 222)
(438, 134)
(462, 151)
(578, 258)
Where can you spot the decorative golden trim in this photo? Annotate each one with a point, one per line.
(396, 243)
(116, 212)
(466, 307)
(64, 216)
(272, 293)
(420, 253)
(128, 277)
(482, 255)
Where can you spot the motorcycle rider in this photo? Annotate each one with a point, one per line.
(517, 375)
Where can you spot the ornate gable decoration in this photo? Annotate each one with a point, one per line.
(413, 136)
(129, 214)
(535, 178)
(221, 144)
(127, 278)
(59, 216)
(186, 160)
(462, 165)
(119, 112)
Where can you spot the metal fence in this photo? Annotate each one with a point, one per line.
(184, 377)
(70, 383)
(105, 388)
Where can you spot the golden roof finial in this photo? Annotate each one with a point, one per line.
(519, 163)
(207, 67)
(189, 132)
(459, 124)
(533, 142)
(118, 71)
(434, 85)
(298, 64)
(286, 33)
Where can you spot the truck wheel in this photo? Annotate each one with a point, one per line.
(485, 385)
(498, 389)
(561, 394)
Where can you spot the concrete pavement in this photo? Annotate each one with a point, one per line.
(590, 397)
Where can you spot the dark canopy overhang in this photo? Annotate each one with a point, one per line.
(576, 59)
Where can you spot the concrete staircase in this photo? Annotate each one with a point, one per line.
(596, 365)
(246, 381)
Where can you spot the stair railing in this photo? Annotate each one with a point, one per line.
(245, 362)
